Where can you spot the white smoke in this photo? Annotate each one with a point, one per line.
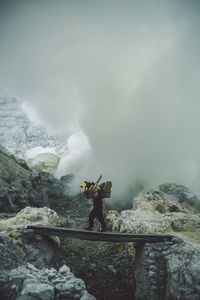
(125, 73)
(74, 161)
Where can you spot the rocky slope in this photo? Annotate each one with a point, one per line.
(21, 186)
(19, 134)
(28, 140)
(31, 265)
(169, 270)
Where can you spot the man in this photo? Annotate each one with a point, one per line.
(97, 193)
(97, 213)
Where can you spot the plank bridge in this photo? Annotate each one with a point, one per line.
(99, 236)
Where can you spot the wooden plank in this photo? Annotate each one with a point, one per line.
(99, 236)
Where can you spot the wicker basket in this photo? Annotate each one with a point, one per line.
(105, 194)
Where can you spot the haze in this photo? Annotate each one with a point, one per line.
(124, 73)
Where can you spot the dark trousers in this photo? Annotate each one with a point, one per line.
(96, 213)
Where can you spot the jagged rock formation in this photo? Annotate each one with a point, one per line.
(169, 270)
(20, 186)
(28, 261)
(19, 134)
(18, 243)
(159, 211)
(28, 282)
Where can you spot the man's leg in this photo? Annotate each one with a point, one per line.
(101, 220)
(92, 216)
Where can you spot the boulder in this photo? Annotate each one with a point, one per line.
(159, 211)
(20, 186)
(19, 134)
(46, 162)
(19, 245)
(28, 282)
(167, 270)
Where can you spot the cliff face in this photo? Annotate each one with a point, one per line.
(19, 134)
(20, 186)
(169, 270)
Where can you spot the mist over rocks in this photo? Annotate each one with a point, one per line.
(125, 75)
(46, 150)
(186, 197)
(171, 208)
(19, 133)
(116, 72)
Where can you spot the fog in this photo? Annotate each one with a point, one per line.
(123, 73)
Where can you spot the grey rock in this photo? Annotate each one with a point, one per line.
(31, 283)
(178, 275)
(152, 274)
(9, 254)
(153, 268)
(87, 296)
(182, 192)
(19, 134)
(64, 269)
(41, 291)
(20, 187)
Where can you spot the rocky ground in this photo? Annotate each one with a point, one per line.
(169, 270)
(106, 268)
(110, 270)
(21, 186)
(32, 266)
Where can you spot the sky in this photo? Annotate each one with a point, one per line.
(123, 74)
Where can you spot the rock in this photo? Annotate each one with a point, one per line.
(20, 187)
(183, 271)
(87, 296)
(25, 283)
(26, 258)
(73, 287)
(38, 290)
(112, 269)
(64, 269)
(9, 254)
(19, 134)
(158, 211)
(169, 270)
(31, 216)
(182, 193)
(19, 246)
(47, 162)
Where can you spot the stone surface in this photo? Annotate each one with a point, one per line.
(31, 216)
(19, 134)
(28, 282)
(47, 162)
(20, 186)
(31, 265)
(159, 211)
(18, 245)
(169, 270)
(183, 272)
(175, 275)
